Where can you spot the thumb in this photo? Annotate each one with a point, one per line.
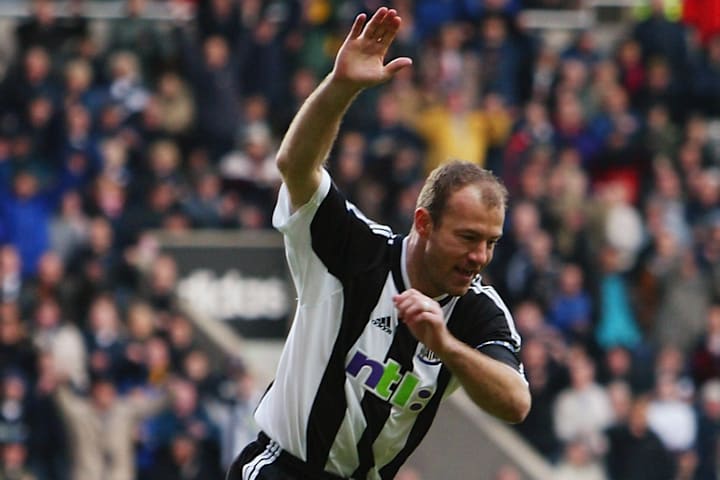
(396, 65)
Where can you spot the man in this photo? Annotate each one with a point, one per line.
(101, 427)
(386, 326)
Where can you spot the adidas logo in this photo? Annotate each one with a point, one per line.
(383, 323)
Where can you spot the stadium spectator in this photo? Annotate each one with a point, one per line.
(628, 367)
(204, 205)
(232, 410)
(705, 357)
(14, 461)
(176, 104)
(301, 84)
(185, 461)
(11, 281)
(101, 428)
(103, 337)
(29, 78)
(635, 451)
(533, 273)
(43, 28)
(49, 283)
(671, 417)
(579, 463)
(659, 36)
(546, 378)
(660, 136)
(616, 318)
(213, 74)
(708, 433)
(25, 216)
(15, 413)
(570, 310)
(709, 253)
(583, 409)
(445, 126)
(133, 32)
(79, 87)
(662, 86)
(62, 340)
(224, 18)
(185, 415)
(16, 349)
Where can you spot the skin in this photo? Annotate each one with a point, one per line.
(448, 256)
(443, 257)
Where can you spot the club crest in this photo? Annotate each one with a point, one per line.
(427, 356)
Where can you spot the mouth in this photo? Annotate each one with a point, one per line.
(466, 274)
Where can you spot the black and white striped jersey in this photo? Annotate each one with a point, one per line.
(355, 392)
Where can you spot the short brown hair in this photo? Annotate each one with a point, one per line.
(451, 177)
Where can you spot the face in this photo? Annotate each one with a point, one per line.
(103, 394)
(461, 245)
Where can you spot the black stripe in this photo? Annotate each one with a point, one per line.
(402, 350)
(263, 395)
(426, 417)
(377, 411)
(360, 260)
(329, 406)
(343, 242)
(335, 233)
(444, 301)
(420, 429)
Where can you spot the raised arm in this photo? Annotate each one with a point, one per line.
(359, 64)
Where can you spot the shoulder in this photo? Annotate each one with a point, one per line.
(486, 295)
(484, 302)
(482, 314)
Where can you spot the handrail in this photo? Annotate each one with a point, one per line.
(93, 10)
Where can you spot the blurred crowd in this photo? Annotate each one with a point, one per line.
(610, 262)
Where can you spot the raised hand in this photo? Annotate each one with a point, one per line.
(360, 60)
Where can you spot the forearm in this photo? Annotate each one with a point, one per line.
(492, 385)
(310, 136)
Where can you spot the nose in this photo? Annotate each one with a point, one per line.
(480, 254)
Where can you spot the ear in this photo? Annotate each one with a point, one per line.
(423, 222)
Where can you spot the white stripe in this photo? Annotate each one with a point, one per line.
(507, 345)
(378, 228)
(252, 469)
(380, 232)
(490, 292)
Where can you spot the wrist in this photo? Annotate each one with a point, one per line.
(342, 88)
(447, 346)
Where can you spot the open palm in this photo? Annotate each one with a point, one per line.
(360, 61)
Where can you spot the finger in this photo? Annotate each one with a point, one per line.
(387, 28)
(414, 306)
(357, 26)
(396, 65)
(372, 26)
(404, 300)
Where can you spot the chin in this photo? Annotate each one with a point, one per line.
(458, 291)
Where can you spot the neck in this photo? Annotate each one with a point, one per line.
(414, 264)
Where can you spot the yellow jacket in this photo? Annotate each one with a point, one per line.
(461, 136)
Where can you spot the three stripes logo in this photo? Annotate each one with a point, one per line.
(383, 323)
